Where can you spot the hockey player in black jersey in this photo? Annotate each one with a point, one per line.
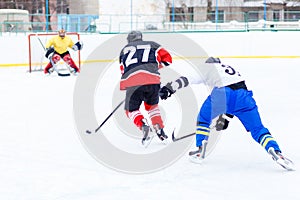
(139, 63)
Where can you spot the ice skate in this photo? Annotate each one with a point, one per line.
(198, 155)
(49, 71)
(146, 140)
(161, 134)
(281, 160)
(73, 71)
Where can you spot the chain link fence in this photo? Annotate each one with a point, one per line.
(20, 21)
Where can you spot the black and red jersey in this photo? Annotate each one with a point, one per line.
(140, 62)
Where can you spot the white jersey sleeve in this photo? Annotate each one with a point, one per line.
(215, 75)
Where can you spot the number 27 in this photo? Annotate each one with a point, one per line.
(132, 50)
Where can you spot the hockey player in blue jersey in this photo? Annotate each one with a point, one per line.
(229, 97)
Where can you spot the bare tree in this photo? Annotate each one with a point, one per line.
(209, 10)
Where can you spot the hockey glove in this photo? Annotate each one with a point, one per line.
(49, 51)
(166, 91)
(223, 121)
(77, 46)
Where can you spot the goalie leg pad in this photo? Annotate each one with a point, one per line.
(55, 58)
(67, 58)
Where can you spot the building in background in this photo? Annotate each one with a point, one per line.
(125, 15)
(14, 19)
(51, 15)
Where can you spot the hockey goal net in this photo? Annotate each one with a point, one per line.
(36, 45)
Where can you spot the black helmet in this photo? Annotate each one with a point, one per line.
(134, 36)
(213, 60)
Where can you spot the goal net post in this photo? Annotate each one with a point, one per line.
(36, 49)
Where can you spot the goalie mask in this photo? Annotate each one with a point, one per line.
(62, 33)
(134, 36)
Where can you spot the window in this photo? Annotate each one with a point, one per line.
(61, 6)
(276, 15)
(292, 15)
(220, 16)
(37, 7)
(253, 16)
(20, 6)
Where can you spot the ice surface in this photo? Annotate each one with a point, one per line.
(42, 157)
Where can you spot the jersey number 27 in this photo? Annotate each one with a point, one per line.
(131, 51)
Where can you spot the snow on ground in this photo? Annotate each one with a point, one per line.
(43, 158)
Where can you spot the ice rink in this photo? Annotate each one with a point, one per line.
(42, 156)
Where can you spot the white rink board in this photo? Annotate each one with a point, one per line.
(236, 44)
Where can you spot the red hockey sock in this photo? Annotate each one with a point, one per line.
(136, 117)
(154, 114)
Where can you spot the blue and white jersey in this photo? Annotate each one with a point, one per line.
(215, 75)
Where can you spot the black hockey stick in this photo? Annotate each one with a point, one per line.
(182, 137)
(185, 136)
(89, 132)
(54, 66)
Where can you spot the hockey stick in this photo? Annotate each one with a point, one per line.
(180, 138)
(89, 132)
(52, 63)
(185, 136)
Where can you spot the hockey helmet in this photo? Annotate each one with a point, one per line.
(213, 60)
(134, 36)
(62, 33)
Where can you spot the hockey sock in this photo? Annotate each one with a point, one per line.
(135, 116)
(154, 114)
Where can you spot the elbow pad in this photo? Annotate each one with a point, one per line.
(182, 82)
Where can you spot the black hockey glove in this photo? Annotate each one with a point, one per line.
(49, 51)
(166, 91)
(223, 121)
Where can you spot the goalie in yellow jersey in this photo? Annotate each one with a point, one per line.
(57, 48)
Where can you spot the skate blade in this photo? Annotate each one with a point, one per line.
(196, 159)
(286, 164)
(165, 141)
(146, 143)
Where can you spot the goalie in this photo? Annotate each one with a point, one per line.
(57, 48)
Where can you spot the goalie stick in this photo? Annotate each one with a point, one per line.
(89, 131)
(54, 66)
